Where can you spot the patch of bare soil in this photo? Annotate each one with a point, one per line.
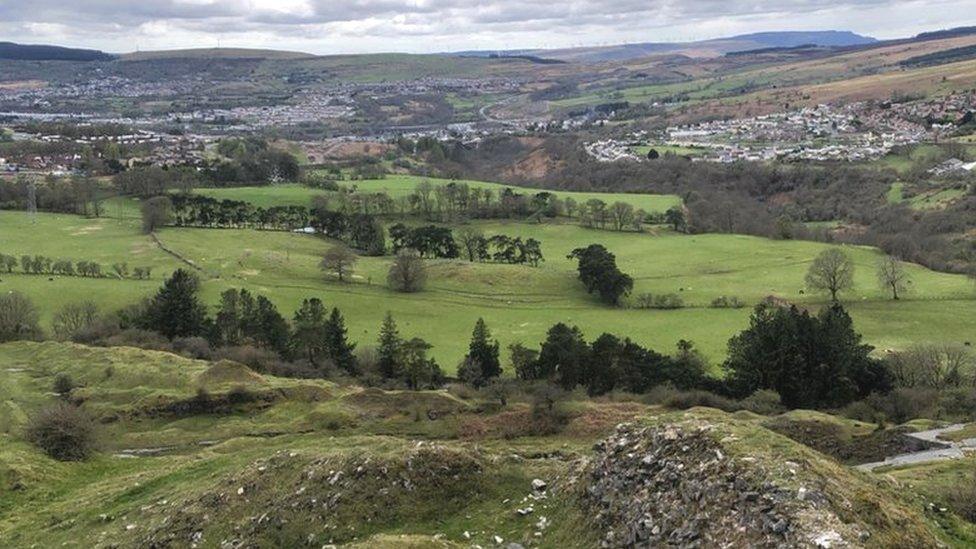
(851, 450)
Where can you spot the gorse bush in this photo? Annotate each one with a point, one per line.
(63, 431)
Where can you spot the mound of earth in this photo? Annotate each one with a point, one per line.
(832, 440)
(374, 402)
(707, 480)
(299, 500)
(226, 371)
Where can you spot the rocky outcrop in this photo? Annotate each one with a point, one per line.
(677, 485)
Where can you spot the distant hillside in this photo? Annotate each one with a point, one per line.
(23, 52)
(705, 48)
(214, 53)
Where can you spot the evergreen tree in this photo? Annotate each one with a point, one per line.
(481, 364)
(175, 311)
(272, 328)
(390, 348)
(337, 346)
(564, 356)
(308, 338)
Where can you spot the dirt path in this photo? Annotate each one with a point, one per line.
(950, 450)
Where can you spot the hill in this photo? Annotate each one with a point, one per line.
(703, 48)
(214, 53)
(310, 463)
(22, 52)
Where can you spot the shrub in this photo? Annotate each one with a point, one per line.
(74, 319)
(961, 498)
(142, 339)
(726, 302)
(63, 431)
(763, 402)
(192, 347)
(659, 301)
(240, 395)
(670, 397)
(260, 360)
(63, 384)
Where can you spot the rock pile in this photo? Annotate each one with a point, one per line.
(675, 486)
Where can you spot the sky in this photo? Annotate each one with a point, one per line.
(424, 26)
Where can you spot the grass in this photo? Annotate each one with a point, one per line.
(402, 185)
(519, 303)
(672, 149)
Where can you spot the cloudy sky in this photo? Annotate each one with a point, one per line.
(350, 26)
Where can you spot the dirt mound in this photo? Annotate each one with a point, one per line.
(377, 403)
(832, 440)
(228, 372)
(679, 484)
(300, 500)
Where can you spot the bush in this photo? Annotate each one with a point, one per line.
(659, 301)
(726, 302)
(259, 360)
(670, 397)
(63, 431)
(193, 347)
(63, 385)
(240, 395)
(142, 339)
(961, 499)
(74, 319)
(764, 402)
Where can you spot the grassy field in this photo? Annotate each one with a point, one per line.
(402, 185)
(519, 302)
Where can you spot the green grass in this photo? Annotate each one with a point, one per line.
(402, 185)
(673, 149)
(519, 302)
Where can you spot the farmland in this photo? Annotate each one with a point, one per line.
(519, 302)
(401, 185)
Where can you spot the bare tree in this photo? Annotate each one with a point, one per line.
(339, 260)
(832, 271)
(622, 215)
(469, 237)
(74, 318)
(892, 276)
(408, 272)
(18, 318)
(156, 212)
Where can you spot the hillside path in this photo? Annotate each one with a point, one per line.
(950, 449)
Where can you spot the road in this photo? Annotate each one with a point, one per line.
(950, 450)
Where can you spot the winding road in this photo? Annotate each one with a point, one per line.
(950, 449)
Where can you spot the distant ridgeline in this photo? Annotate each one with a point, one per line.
(20, 52)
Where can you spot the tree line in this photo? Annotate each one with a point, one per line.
(43, 265)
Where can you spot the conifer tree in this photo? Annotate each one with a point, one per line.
(337, 346)
(390, 348)
(309, 336)
(176, 311)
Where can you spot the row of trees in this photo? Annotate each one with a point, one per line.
(499, 248)
(43, 265)
(74, 195)
(316, 335)
(194, 210)
(608, 363)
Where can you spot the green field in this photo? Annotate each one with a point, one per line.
(519, 302)
(402, 185)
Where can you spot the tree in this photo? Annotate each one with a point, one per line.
(175, 310)
(810, 361)
(564, 356)
(390, 348)
(156, 212)
(832, 271)
(481, 364)
(18, 318)
(472, 243)
(525, 361)
(675, 216)
(407, 273)
(622, 215)
(74, 318)
(599, 273)
(337, 346)
(308, 338)
(339, 260)
(418, 370)
(892, 276)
